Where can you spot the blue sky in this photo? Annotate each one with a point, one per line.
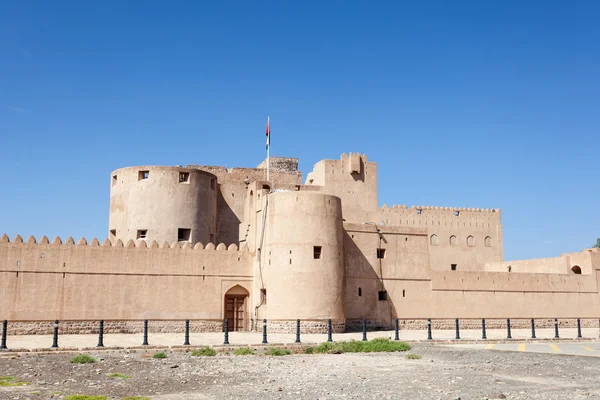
(462, 103)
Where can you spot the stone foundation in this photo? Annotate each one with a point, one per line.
(306, 326)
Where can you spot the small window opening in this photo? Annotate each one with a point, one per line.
(113, 233)
(380, 253)
(317, 252)
(143, 175)
(403, 293)
(457, 213)
(212, 184)
(419, 211)
(18, 263)
(382, 295)
(359, 292)
(184, 177)
(263, 296)
(114, 180)
(576, 270)
(183, 234)
(453, 267)
(141, 233)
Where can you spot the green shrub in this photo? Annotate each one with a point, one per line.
(205, 351)
(244, 351)
(325, 347)
(83, 359)
(10, 381)
(118, 375)
(276, 351)
(412, 357)
(85, 397)
(159, 355)
(309, 350)
(355, 346)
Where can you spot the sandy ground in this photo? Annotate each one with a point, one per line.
(443, 372)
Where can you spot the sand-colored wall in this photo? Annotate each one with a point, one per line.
(162, 204)
(43, 281)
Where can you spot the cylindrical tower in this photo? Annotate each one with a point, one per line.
(163, 204)
(304, 267)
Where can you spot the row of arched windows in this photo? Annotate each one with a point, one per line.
(434, 240)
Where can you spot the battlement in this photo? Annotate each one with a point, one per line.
(140, 243)
(419, 210)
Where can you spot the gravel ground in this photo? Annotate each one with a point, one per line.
(442, 373)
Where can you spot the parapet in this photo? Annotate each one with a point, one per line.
(421, 210)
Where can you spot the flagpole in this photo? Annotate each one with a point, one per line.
(269, 151)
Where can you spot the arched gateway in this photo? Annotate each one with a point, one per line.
(236, 304)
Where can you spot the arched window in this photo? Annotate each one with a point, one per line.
(359, 291)
(488, 241)
(576, 270)
(470, 241)
(433, 240)
(452, 240)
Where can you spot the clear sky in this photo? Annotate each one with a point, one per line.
(461, 103)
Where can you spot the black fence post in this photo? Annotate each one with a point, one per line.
(457, 330)
(145, 333)
(578, 328)
(396, 329)
(483, 335)
(364, 330)
(508, 335)
(101, 334)
(532, 328)
(226, 338)
(186, 338)
(55, 338)
(297, 331)
(4, 329)
(556, 328)
(429, 329)
(329, 329)
(264, 331)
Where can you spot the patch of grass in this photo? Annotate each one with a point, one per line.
(85, 397)
(37, 392)
(412, 357)
(204, 351)
(11, 381)
(135, 398)
(118, 375)
(160, 355)
(276, 351)
(83, 359)
(309, 350)
(244, 351)
(372, 346)
(56, 392)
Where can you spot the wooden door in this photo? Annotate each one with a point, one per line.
(235, 312)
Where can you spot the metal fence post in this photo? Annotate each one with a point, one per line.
(483, 335)
(186, 338)
(364, 330)
(55, 338)
(508, 335)
(4, 329)
(145, 333)
(297, 331)
(101, 334)
(396, 329)
(329, 328)
(556, 328)
(264, 331)
(429, 329)
(532, 328)
(457, 330)
(226, 338)
(578, 328)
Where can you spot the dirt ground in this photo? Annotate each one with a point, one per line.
(442, 373)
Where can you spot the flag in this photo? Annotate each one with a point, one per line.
(268, 133)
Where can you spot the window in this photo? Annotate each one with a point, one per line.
(488, 241)
(453, 267)
(452, 240)
(263, 296)
(457, 213)
(419, 211)
(184, 177)
(470, 241)
(114, 180)
(576, 270)
(434, 240)
(113, 233)
(212, 184)
(380, 253)
(143, 175)
(317, 252)
(141, 233)
(184, 234)
(382, 295)
(403, 292)
(359, 292)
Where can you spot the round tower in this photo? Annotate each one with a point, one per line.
(304, 267)
(163, 204)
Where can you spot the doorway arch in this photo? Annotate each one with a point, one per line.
(235, 308)
(576, 270)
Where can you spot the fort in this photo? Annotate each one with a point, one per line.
(209, 243)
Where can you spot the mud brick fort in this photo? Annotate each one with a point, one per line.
(210, 243)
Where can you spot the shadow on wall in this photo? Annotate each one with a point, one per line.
(366, 293)
(228, 224)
